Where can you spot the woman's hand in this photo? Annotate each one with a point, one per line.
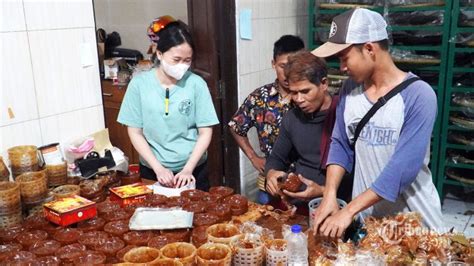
(165, 176)
(183, 178)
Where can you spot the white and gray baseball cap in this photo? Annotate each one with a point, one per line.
(355, 26)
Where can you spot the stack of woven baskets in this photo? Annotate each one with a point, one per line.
(10, 204)
(34, 189)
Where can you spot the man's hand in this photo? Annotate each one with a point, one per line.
(272, 181)
(259, 163)
(182, 179)
(335, 225)
(312, 190)
(327, 207)
(165, 176)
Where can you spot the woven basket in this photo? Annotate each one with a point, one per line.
(57, 174)
(66, 191)
(33, 186)
(247, 256)
(23, 155)
(222, 233)
(181, 251)
(166, 262)
(142, 255)
(10, 200)
(214, 254)
(23, 159)
(276, 252)
(10, 220)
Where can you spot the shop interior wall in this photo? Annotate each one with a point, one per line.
(270, 19)
(131, 18)
(50, 85)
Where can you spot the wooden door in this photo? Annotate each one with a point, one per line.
(212, 25)
(112, 98)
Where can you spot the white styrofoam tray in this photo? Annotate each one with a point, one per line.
(158, 218)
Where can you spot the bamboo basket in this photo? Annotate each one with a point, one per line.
(10, 200)
(181, 251)
(142, 255)
(10, 220)
(222, 233)
(166, 262)
(214, 254)
(23, 159)
(57, 174)
(66, 191)
(33, 186)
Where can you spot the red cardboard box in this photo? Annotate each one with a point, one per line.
(69, 210)
(130, 194)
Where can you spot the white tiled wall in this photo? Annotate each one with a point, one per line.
(270, 20)
(53, 96)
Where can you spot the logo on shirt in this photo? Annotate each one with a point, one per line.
(376, 136)
(185, 107)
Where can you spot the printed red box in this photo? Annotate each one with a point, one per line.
(130, 194)
(69, 210)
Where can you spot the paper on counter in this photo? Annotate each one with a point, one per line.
(171, 192)
(157, 219)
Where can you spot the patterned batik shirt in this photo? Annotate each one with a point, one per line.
(262, 109)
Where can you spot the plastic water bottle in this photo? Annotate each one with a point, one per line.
(297, 247)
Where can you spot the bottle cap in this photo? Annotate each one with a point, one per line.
(296, 228)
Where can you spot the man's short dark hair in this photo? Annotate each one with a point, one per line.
(287, 44)
(304, 65)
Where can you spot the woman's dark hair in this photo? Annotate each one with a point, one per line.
(303, 65)
(174, 34)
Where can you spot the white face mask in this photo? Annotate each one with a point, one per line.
(176, 71)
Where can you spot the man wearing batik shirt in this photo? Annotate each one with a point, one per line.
(264, 109)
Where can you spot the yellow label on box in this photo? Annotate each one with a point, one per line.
(68, 204)
(131, 190)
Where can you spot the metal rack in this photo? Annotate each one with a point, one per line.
(454, 70)
(437, 69)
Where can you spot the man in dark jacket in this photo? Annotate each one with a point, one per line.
(305, 130)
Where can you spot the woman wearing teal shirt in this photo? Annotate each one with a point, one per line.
(169, 112)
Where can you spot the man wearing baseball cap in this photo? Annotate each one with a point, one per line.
(389, 153)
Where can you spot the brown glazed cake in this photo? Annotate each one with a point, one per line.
(222, 211)
(117, 228)
(193, 194)
(28, 238)
(222, 190)
(93, 224)
(45, 247)
(138, 238)
(292, 183)
(93, 238)
(67, 235)
(200, 219)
